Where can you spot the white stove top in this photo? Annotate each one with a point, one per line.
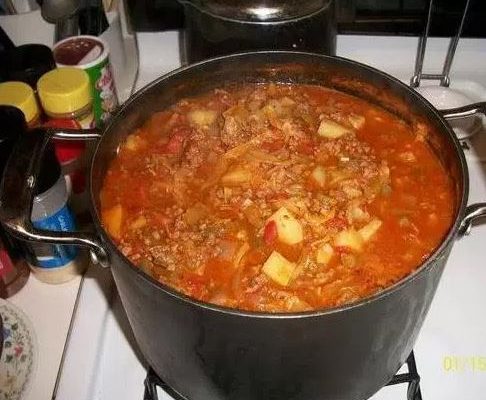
(102, 359)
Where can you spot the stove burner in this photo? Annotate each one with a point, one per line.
(152, 381)
(411, 377)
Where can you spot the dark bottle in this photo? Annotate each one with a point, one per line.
(14, 270)
(27, 63)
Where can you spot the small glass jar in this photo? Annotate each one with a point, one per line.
(21, 95)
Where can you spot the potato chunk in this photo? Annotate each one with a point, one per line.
(350, 239)
(370, 229)
(112, 219)
(289, 229)
(134, 142)
(357, 121)
(278, 268)
(324, 254)
(332, 130)
(140, 222)
(318, 174)
(202, 117)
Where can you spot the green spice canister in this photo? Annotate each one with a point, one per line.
(91, 54)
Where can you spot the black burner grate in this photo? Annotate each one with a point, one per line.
(412, 378)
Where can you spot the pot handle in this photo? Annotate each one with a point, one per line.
(464, 111)
(17, 191)
(478, 210)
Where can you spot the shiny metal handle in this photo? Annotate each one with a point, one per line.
(473, 212)
(465, 111)
(419, 60)
(18, 186)
(73, 134)
(478, 210)
(422, 44)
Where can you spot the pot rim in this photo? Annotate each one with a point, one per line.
(418, 272)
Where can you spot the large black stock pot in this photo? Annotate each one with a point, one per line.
(207, 352)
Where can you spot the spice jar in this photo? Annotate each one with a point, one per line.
(91, 54)
(54, 263)
(65, 95)
(14, 270)
(21, 95)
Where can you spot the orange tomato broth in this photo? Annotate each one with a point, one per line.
(174, 170)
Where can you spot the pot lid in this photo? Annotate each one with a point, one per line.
(259, 10)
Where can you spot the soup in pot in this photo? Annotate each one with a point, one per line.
(277, 198)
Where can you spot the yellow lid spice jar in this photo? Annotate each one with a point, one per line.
(21, 96)
(65, 96)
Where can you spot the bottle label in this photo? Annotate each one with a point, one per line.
(105, 99)
(48, 255)
(6, 264)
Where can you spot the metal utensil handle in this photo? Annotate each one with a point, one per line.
(451, 51)
(422, 44)
(477, 210)
(18, 185)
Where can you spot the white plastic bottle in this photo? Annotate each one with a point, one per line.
(54, 263)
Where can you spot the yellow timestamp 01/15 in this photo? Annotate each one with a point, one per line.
(454, 363)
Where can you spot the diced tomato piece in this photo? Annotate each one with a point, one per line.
(276, 196)
(181, 130)
(273, 145)
(176, 141)
(256, 256)
(195, 285)
(218, 270)
(141, 195)
(338, 223)
(174, 145)
(161, 219)
(342, 250)
(306, 147)
(270, 233)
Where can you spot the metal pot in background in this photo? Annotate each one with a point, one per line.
(218, 27)
(208, 352)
